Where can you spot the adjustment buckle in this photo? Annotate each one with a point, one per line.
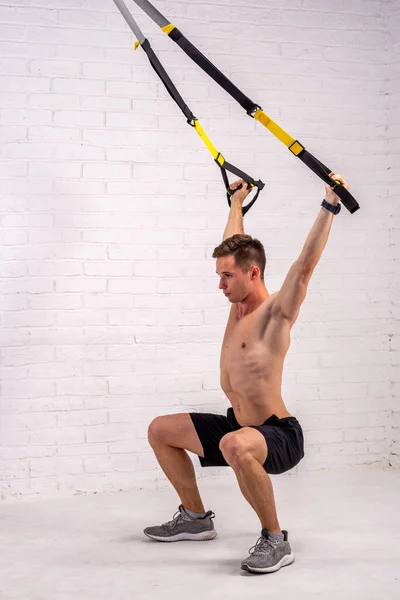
(219, 159)
(296, 148)
(251, 112)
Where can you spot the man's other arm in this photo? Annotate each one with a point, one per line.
(235, 218)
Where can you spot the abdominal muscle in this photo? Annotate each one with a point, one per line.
(256, 408)
(252, 358)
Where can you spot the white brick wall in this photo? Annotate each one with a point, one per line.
(110, 209)
(393, 196)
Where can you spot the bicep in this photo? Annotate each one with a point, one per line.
(292, 293)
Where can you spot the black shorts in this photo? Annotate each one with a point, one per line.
(284, 438)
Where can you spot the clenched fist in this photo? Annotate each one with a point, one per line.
(330, 196)
(243, 191)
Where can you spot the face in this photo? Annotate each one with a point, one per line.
(235, 284)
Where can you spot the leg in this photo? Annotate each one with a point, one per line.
(258, 484)
(168, 435)
(246, 493)
(246, 451)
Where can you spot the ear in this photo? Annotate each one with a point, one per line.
(254, 272)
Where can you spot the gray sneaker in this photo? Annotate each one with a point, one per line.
(184, 527)
(268, 555)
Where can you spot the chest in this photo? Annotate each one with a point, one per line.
(255, 339)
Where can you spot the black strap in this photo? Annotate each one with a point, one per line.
(212, 70)
(170, 87)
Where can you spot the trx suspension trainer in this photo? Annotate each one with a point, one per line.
(190, 118)
(251, 108)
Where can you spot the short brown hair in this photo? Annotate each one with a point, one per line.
(246, 250)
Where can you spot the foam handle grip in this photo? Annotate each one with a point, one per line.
(347, 199)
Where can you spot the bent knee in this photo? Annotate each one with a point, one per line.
(167, 428)
(156, 430)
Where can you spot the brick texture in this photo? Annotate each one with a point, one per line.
(110, 208)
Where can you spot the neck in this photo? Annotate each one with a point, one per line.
(252, 302)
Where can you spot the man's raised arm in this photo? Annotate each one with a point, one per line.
(235, 219)
(294, 289)
(318, 236)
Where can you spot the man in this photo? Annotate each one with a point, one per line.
(258, 436)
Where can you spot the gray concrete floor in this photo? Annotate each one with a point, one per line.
(344, 528)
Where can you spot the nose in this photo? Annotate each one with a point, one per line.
(221, 285)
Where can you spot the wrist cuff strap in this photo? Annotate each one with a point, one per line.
(331, 207)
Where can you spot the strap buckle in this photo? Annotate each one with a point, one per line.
(296, 148)
(251, 112)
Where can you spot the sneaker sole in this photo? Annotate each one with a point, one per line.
(195, 537)
(284, 562)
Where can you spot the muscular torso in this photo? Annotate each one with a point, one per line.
(252, 356)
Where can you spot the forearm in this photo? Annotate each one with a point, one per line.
(235, 220)
(316, 240)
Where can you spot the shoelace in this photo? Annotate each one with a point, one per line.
(264, 544)
(178, 518)
(175, 520)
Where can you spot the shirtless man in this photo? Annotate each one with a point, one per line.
(258, 435)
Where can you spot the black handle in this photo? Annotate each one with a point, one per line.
(347, 199)
(246, 208)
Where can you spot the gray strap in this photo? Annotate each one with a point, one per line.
(130, 20)
(152, 12)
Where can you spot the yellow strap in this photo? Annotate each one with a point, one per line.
(168, 28)
(215, 154)
(282, 135)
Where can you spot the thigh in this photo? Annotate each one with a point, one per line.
(285, 447)
(211, 429)
(177, 431)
